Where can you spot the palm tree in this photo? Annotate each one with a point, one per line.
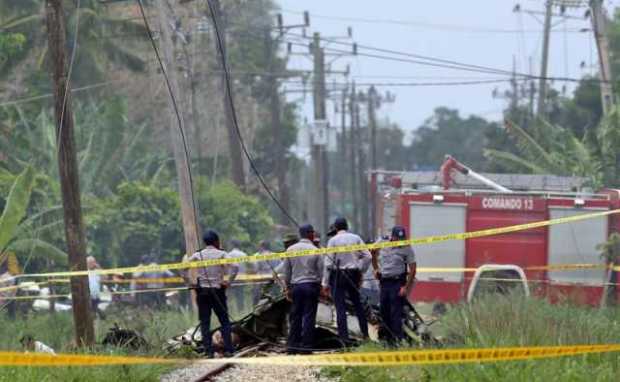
(103, 42)
(550, 149)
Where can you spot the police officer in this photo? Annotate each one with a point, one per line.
(395, 268)
(211, 287)
(343, 276)
(302, 275)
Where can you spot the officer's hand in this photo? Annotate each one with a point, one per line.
(288, 295)
(225, 284)
(377, 275)
(403, 291)
(325, 291)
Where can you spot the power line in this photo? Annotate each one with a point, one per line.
(231, 103)
(419, 24)
(456, 66)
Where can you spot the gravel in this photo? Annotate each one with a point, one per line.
(268, 373)
(249, 373)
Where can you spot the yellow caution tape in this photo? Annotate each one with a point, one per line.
(382, 359)
(39, 359)
(430, 357)
(331, 250)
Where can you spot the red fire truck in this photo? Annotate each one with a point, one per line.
(457, 199)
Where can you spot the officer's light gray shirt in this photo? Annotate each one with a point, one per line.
(213, 276)
(393, 262)
(304, 269)
(346, 260)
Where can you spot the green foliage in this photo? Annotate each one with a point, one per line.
(234, 215)
(56, 330)
(139, 219)
(15, 206)
(446, 132)
(96, 52)
(550, 149)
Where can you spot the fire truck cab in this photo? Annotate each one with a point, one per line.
(433, 203)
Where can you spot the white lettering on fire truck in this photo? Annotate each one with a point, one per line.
(508, 204)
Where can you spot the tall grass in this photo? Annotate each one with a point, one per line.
(514, 321)
(56, 330)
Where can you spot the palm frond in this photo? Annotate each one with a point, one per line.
(530, 147)
(16, 205)
(512, 162)
(39, 249)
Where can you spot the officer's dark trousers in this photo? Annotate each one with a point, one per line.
(345, 284)
(303, 317)
(209, 299)
(392, 308)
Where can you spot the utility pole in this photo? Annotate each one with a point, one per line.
(353, 143)
(542, 84)
(319, 151)
(68, 171)
(599, 27)
(343, 145)
(181, 157)
(236, 161)
(373, 102)
(362, 167)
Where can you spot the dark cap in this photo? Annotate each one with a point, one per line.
(306, 230)
(331, 230)
(211, 237)
(341, 224)
(399, 232)
(234, 243)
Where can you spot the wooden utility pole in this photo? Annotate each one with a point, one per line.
(234, 146)
(599, 27)
(177, 126)
(353, 143)
(68, 171)
(542, 82)
(319, 151)
(373, 101)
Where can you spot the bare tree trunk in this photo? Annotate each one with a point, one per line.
(69, 177)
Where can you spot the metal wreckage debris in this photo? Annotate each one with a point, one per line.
(266, 328)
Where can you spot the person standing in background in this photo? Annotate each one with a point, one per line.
(94, 285)
(238, 291)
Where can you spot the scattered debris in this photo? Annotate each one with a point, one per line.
(126, 338)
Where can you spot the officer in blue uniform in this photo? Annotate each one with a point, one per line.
(302, 276)
(212, 283)
(395, 268)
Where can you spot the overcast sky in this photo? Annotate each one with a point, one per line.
(481, 32)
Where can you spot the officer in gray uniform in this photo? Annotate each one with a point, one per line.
(395, 268)
(302, 276)
(211, 292)
(343, 277)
